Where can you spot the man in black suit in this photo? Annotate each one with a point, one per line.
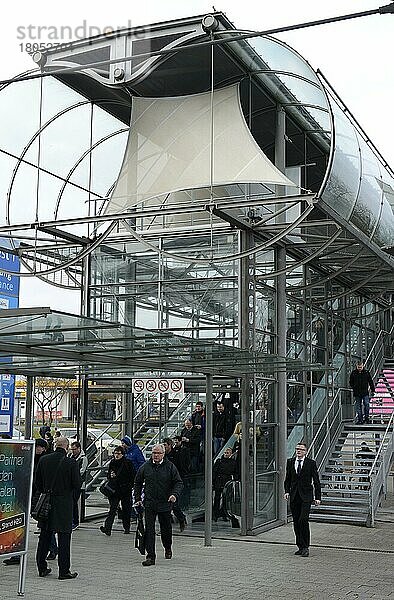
(60, 474)
(301, 471)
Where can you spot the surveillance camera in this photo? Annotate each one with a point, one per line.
(209, 23)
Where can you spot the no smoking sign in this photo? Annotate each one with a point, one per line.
(162, 385)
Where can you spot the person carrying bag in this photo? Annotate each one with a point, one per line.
(106, 489)
(118, 490)
(41, 501)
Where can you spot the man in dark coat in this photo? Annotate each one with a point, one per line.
(360, 380)
(163, 486)
(191, 439)
(180, 462)
(198, 417)
(223, 470)
(301, 471)
(60, 474)
(221, 427)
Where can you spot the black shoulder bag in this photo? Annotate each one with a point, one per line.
(41, 501)
(106, 488)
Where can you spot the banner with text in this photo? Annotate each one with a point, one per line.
(16, 472)
(9, 298)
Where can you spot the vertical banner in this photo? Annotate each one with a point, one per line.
(16, 472)
(9, 298)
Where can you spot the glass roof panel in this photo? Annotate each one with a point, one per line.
(41, 341)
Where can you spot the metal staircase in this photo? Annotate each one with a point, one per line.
(345, 479)
(355, 467)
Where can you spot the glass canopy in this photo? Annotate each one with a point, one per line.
(39, 341)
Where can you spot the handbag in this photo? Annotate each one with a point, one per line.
(106, 489)
(41, 501)
(40, 506)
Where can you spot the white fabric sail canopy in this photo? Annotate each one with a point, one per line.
(169, 148)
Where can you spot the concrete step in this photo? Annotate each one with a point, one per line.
(340, 501)
(332, 518)
(351, 486)
(356, 440)
(354, 427)
(343, 477)
(346, 453)
(340, 467)
(345, 492)
(349, 511)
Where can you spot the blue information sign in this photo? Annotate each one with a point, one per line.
(9, 284)
(9, 298)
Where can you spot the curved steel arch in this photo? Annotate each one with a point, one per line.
(27, 147)
(76, 164)
(228, 258)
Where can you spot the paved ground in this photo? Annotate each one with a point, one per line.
(346, 562)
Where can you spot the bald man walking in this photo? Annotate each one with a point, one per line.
(60, 474)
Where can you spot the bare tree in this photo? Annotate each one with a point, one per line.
(48, 394)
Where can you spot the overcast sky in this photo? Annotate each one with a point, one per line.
(355, 56)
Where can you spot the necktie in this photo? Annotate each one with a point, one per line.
(298, 467)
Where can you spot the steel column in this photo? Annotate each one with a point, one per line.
(245, 324)
(208, 460)
(29, 407)
(281, 321)
(84, 428)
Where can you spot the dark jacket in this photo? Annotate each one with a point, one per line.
(194, 436)
(43, 429)
(67, 480)
(223, 470)
(161, 481)
(359, 382)
(37, 458)
(366, 455)
(123, 481)
(302, 483)
(198, 418)
(180, 456)
(221, 425)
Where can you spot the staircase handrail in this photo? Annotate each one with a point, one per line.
(378, 479)
(106, 429)
(385, 435)
(325, 423)
(102, 431)
(188, 397)
(379, 340)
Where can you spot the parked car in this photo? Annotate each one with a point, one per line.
(101, 440)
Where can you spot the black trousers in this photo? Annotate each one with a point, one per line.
(300, 511)
(113, 507)
(216, 503)
(150, 534)
(76, 495)
(63, 557)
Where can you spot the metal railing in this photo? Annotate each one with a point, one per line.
(170, 428)
(328, 431)
(375, 357)
(380, 470)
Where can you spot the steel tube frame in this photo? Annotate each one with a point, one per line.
(208, 460)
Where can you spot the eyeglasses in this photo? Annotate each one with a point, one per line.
(157, 452)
